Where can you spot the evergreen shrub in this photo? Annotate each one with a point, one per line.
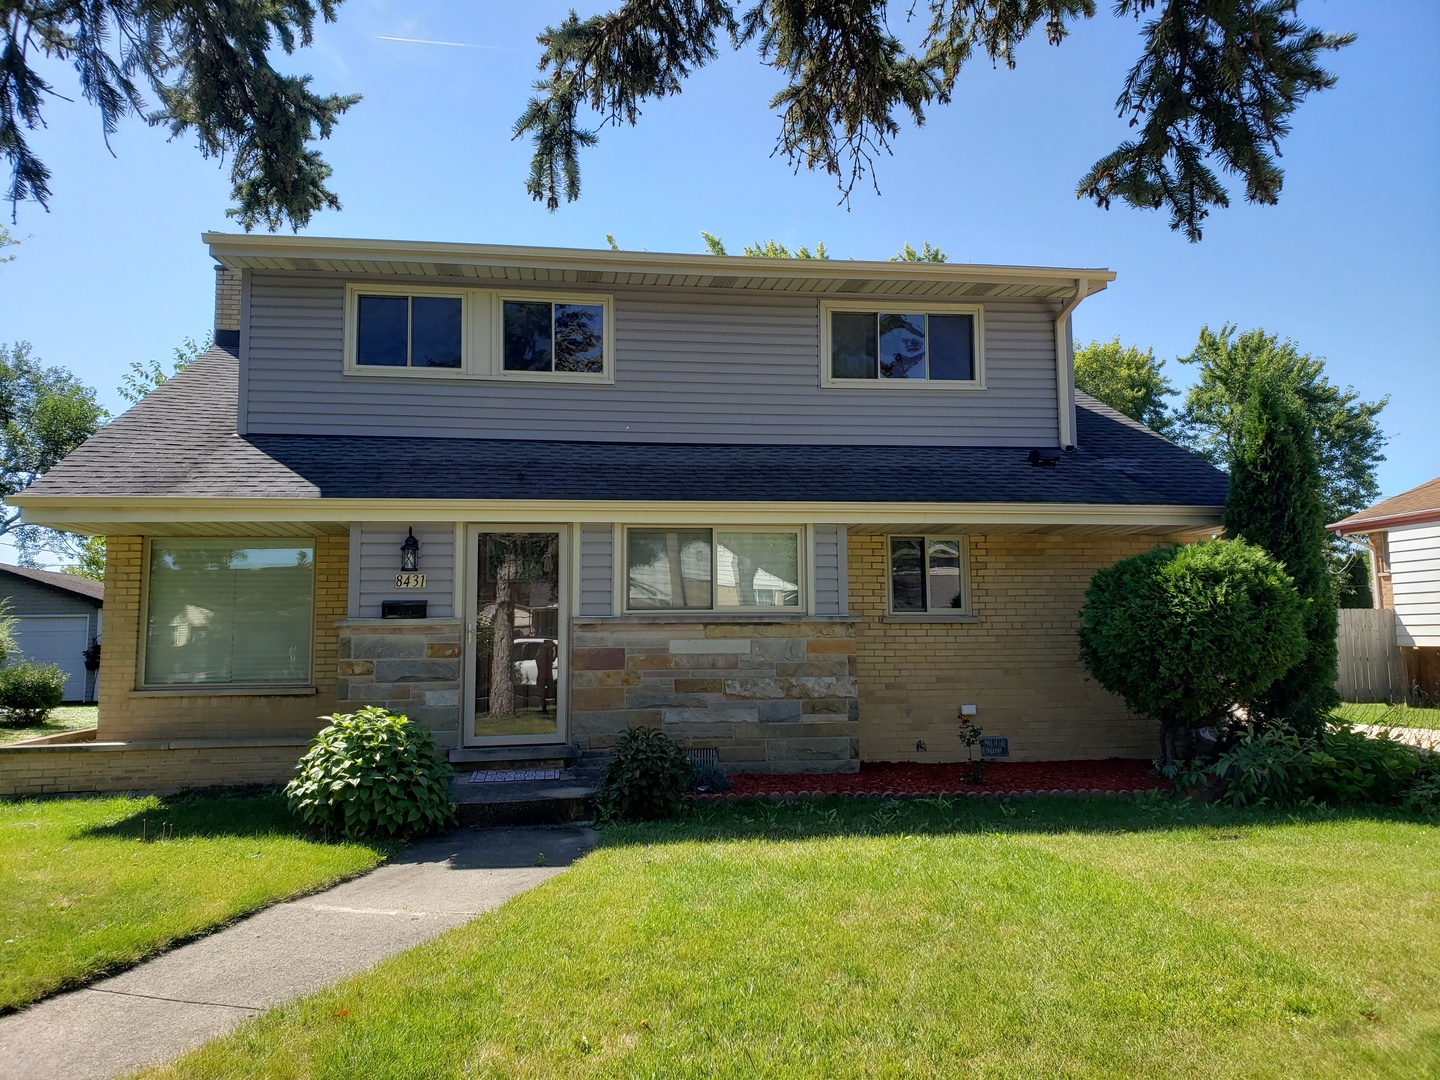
(372, 773)
(1186, 633)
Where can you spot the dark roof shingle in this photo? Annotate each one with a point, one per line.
(71, 583)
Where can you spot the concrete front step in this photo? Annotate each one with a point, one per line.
(532, 756)
(570, 797)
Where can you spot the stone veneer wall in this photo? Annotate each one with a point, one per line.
(769, 696)
(410, 667)
(1018, 660)
(128, 714)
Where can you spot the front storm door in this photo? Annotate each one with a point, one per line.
(516, 685)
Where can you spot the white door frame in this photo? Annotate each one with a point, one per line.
(471, 604)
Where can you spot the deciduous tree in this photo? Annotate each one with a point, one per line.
(1128, 380)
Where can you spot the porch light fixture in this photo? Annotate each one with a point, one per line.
(410, 554)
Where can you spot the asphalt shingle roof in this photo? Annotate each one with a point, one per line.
(71, 583)
(180, 442)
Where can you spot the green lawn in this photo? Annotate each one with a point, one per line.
(1390, 715)
(1090, 938)
(93, 884)
(65, 718)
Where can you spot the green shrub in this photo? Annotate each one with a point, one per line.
(1351, 767)
(1265, 768)
(372, 773)
(1423, 795)
(1186, 633)
(647, 778)
(28, 691)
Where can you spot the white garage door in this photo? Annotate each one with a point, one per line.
(57, 639)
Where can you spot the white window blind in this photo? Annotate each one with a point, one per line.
(229, 612)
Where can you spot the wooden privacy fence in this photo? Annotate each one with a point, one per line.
(1370, 665)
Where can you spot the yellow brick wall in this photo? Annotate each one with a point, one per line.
(126, 714)
(52, 770)
(1019, 663)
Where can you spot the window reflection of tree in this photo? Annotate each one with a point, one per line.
(579, 338)
(903, 338)
(527, 336)
(509, 562)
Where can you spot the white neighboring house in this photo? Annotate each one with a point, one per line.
(57, 622)
(1404, 538)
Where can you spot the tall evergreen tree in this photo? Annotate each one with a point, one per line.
(1275, 502)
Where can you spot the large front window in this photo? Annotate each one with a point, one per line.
(711, 569)
(229, 612)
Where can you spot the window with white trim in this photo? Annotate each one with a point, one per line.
(929, 575)
(453, 333)
(903, 345)
(222, 612)
(731, 569)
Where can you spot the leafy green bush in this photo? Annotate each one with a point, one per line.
(1351, 767)
(1423, 796)
(28, 691)
(372, 773)
(647, 778)
(1265, 768)
(1186, 633)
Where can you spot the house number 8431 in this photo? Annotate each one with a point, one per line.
(410, 581)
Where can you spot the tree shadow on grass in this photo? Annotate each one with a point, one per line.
(872, 816)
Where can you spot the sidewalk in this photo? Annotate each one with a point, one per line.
(1424, 738)
(180, 999)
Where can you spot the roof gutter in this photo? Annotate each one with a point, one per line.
(1388, 521)
(1065, 365)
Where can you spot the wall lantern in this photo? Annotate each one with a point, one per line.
(410, 554)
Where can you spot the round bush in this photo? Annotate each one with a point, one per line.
(647, 778)
(372, 773)
(28, 691)
(1187, 632)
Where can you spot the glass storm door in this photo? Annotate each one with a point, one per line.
(515, 681)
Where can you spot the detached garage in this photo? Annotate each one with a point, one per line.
(57, 622)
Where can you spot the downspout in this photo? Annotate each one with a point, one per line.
(1064, 370)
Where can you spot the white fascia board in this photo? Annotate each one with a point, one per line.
(56, 511)
(237, 249)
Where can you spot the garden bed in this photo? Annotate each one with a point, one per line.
(1117, 775)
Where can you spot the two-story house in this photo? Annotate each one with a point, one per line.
(800, 512)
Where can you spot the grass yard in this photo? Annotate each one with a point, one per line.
(1389, 715)
(93, 884)
(923, 939)
(65, 718)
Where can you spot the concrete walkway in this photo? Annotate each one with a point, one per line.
(180, 999)
(1424, 738)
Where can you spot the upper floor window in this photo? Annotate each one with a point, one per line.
(478, 334)
(902, 346)
(409, 331)
(540, 335)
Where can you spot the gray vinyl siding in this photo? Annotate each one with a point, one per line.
(32, 598)
(597, 570)
(831, 570)
(690, 366)
(379, 560)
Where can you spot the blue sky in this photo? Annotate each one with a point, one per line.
(1348, 265)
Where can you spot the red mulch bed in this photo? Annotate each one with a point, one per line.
(914, 778)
